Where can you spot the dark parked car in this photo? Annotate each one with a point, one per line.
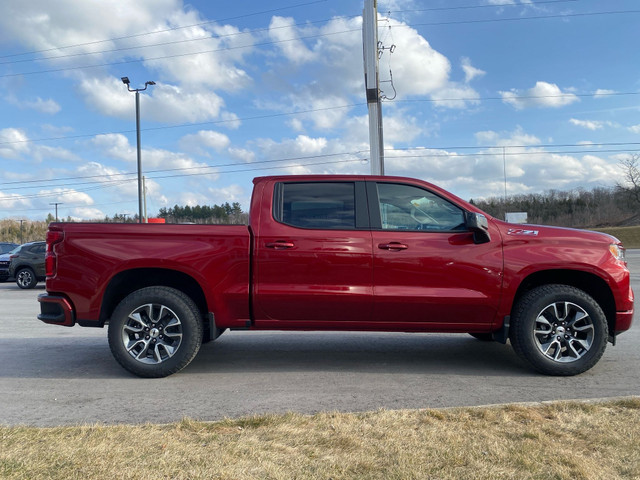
(27, 264)
(4, 262)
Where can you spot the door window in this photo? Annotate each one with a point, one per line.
(325, 205)
(405, 207)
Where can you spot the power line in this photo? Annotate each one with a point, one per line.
(517, 19)
(501, 152)
(209, 22)
(175, 42)
(110, 184)
(314, 110)
(189, 125)
(275, 42)
(427, 152)
(164, 30)
(47, 182)
(468, 7)
(178, 55)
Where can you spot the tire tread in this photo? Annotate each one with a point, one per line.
(519, 332)
(191, 346)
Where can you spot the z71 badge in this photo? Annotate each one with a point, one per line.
(522, 231)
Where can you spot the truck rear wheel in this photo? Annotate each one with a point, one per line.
(155, 332)
(559, 330)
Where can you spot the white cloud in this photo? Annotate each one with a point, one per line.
(504, 139)
(13, 143)
(160, 103)
(117, 146)
(455, 96)
(86, 213)
(171, 104)
(283, 31)
(242, 154)
(45, 153)
(320, 155)
(334, 63)
(601, 92)
(203, 141)
(588, 124)
(45, 25)
(470, 72)
(12, 201)
(635, 129)
(230, 194)
(67, 195)
(47, 106)
(543, 95)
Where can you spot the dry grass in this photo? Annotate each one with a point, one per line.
(557, 441)
(629, 236)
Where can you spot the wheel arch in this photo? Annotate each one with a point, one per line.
(21, 266)
(593, 285)
(129, 281)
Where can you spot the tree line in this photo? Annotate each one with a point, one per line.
(209, 214)
(600, 207)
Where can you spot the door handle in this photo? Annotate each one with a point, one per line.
(280, 245)
(393, 246)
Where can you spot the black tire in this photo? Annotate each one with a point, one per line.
(26, 278)
(483, 337)
(155, 332)
(559, 330)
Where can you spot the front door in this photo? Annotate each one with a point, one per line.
(427, 268)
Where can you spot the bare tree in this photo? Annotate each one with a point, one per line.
(630, 184)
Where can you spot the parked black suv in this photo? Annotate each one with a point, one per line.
(27, 264)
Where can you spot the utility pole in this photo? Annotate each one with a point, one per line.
(56, 204)
(21, 237)
(144, 195)
(372, 85)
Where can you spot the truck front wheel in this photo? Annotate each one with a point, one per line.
(559, 330)
(155, 332)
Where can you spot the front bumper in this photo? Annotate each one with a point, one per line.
(623, 321)
(56, 310)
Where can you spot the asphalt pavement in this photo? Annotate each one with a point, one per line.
(51, 375)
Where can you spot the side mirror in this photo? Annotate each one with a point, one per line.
(479, 225)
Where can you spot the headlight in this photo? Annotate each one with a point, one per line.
(617, 250)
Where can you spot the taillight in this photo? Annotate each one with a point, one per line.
(53, 237)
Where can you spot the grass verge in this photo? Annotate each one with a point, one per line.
(560, 441)
(629, 236)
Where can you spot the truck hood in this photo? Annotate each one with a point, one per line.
(519, 233)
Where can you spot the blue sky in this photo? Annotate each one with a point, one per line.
(549, 89)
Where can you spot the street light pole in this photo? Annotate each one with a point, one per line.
(125, 80)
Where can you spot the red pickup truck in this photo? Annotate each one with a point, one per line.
(341, 253)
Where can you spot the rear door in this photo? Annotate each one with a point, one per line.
(427, 268)
(313, 257)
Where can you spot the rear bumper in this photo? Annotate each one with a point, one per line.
(56, 310)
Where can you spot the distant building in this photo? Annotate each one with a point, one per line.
(516, 217)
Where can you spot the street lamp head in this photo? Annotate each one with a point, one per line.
(151, 82)
(125, 80)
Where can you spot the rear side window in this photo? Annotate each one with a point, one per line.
(324, 205)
